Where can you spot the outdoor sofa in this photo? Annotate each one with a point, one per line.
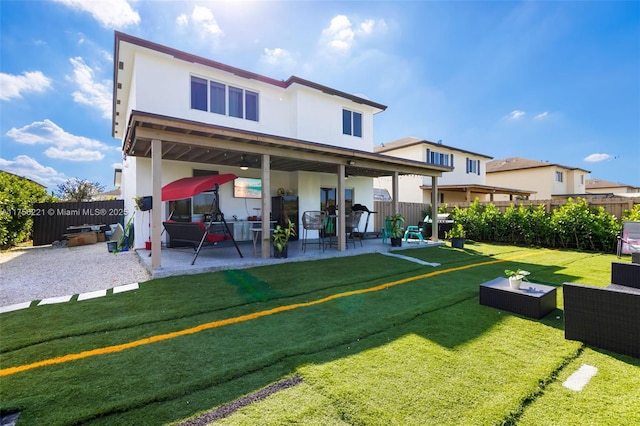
(607, 318)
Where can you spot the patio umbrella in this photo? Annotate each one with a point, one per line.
(188, 187)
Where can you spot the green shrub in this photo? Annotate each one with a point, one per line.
(573, 225)
(633, 214)
(17, 197)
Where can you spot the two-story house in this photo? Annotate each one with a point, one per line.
(546, 179)
(605, 187)
(180, 115)
(465, 183)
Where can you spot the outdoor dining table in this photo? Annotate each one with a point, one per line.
(257, 231)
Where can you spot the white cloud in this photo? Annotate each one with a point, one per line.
(340, 36)
(91, 92)
(202, 21)
(541, 116)
(371, 26)
(278, 58)
(515, 115)
(25, 166)
(13, 86)
(63, 145)
(77, 154)
(110, 13)
(116, 165)
(596, 158)
(182, 20)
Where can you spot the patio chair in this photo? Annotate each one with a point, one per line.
(313, 221)
(352, 223)
(629, 239)
(416, 232)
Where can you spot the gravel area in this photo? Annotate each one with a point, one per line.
(35, 273)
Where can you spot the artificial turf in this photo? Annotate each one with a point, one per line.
(375, 339)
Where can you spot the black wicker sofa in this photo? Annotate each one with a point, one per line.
(607, 318)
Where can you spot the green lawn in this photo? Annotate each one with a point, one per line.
(376, 340)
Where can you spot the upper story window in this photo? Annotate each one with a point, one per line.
(219, 98)
(439, 158)
(351, 123)
(473, 166)
(558, 176)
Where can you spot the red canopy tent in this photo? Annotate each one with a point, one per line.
(198, 232)
(188, 187)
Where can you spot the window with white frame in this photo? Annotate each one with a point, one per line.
(351, 123)
(559, 177)
(221, 99)
(473, 166)
(439, 158)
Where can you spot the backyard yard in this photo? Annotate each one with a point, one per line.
(361, 340)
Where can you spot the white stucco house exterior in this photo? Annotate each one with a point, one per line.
(465, 183)
(546, 179)
(180, 115)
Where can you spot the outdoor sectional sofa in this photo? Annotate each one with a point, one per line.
(607, 318)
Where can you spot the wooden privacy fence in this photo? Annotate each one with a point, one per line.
(50, 220)
(413, 212)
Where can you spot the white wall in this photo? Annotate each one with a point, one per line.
(163, 86)
(319, 119)
(137, 182)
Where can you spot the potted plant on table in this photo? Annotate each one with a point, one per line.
(457, 235)
(516, 277)
(281, 235)
(397, 230)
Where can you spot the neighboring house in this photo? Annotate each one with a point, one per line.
(604, 187)
(466, 182)
(114, 194)
(548, 180)
(180, 115)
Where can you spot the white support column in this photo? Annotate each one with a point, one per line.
(342, 229)
(156, 212)
(265, 244)
(395, 193)
(434, 208)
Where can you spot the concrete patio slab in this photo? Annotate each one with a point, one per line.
(177, 261)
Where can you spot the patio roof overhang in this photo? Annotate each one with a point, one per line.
(191, 141)
(482, 189)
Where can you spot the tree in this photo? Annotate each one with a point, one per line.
(17, 197)
(79, 190)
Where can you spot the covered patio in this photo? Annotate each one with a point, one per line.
(163, 138)
(177, 261)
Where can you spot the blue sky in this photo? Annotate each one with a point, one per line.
(550, 81)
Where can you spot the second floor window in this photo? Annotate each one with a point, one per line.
(558, 176)
(473, 166)
(439, 158)
(351, 123)
(219, 98)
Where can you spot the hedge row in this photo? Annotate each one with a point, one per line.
(574, 225)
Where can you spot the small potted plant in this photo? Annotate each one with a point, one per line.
(143, 203)
(396, 229)
(281, 235)
(516, 277)
(457, 235)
